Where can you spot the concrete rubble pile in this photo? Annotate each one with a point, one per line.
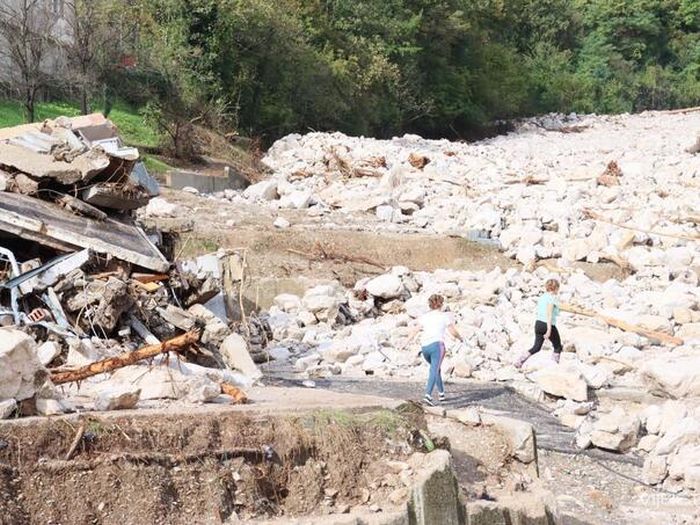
(600, 387)
(81, 282)
(558, 187)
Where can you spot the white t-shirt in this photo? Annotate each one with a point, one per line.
(434, 325)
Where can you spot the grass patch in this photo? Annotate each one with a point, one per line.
(132, 127)
(387, 421)
(154, 165)
(12, 112)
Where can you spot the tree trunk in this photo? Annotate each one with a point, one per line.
(128, 358)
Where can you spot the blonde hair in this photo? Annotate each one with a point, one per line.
(552, 285)
(436, 301)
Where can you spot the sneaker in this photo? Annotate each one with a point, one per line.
(428, 400)
(521, 360)
(556, 356)
(441, 397)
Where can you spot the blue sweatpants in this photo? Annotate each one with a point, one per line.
(433, 354)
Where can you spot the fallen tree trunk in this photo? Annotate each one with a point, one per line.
(129, 358)
(597, 217)
(623, 325)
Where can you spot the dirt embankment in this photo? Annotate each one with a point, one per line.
(197, 468)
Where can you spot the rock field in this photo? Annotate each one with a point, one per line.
(559, 189)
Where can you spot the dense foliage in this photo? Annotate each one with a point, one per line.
(382, 67)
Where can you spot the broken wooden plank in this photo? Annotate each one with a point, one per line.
(597, 217)
(176, 344)
(238, 395)
(623, 325)
(43, 221)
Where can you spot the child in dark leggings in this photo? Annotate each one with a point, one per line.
(546, 323)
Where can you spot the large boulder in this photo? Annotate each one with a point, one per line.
(562, 381)
(21, 373)
(687, 431)
(234, 351)
(387, 286)
(675, 377)
(265, 190)
(323, 301)
(616, 431)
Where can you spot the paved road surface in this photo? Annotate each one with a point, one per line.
(551, 435)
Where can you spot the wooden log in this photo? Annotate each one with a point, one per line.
(238, 395)
(76, 441)
(623, 325)
(129, 358)
(597, 217)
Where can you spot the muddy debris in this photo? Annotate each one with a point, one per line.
(83, 284)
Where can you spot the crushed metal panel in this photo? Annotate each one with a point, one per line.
(34, 218)
(50, 273)
(140, 177)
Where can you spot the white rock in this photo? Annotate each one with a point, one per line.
(265, 190)
(297, 200)
(655, 470)
(673, 376)
(47, 352)
(52, 407)
(159, 207)
(190, 189)
(690, 333)
(387, 286)
(117, 398)
(20, 370)
(281, 223)
(7, 407)
(685, 432)
(385, 213)
(234, 352)
(562, 381)
(289, 303)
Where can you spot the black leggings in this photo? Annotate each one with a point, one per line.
(540, 330)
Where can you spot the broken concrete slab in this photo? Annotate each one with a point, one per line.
(115, 196)
(21, 372)
(234, 351)
(41, 166)
(50, 224)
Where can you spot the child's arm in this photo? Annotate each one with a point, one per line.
(455, 333)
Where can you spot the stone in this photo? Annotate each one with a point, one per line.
(467, 415)
(682, 315)
(234, 352)
(201, 389)
(159, 207)
(435, 493)
(297, 200)
(215, 330)
(289, 303)
(685, 432)
(648, 442)
(385, 213)
(265, 190)
(655, 470)
(562, 381)
(387, 286)
(462, 369)
(673, 376)
(117, 398)
(622, 438)
(21, 373)
(690, 333)
(281, 223)
(47, 352)
(520, 436)
(52, 407)
(7, 408)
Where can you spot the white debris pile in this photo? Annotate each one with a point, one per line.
(558, 187)
(364, 331)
